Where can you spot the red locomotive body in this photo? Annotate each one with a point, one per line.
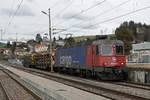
(107, 57)
(96, 57)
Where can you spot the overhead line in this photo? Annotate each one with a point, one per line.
(104, 12)
(14, 14)
(16, 11)
(10, 13)
(64, 8)
(129, 13)
(84, 10)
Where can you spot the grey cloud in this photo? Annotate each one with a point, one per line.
(75, 16)
(23, 11)
(30, 0)
(87, 26)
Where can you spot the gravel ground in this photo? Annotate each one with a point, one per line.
(13, 89)
(2, 94)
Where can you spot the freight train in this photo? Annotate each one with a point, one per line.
(103, 59)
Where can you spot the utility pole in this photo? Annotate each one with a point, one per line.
(50, 37)
(1, 34)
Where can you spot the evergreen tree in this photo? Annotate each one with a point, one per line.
(69, 41)
(123, 34)
(112, 37)
(38, 38)
(13, 47)
(59, 38)
(54, 39)
(8, 44)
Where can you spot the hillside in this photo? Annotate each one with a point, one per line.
(80, 38)
(139, 31)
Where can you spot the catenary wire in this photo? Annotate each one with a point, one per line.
(129, 13)
(93, 6)
(111, 19)
(63, 10)
(83, 11)
(104, 12)
(9, 23)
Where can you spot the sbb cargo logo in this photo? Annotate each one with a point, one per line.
(66, 60)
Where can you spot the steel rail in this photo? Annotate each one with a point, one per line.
(133, 85)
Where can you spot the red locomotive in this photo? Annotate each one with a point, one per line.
(103, 59)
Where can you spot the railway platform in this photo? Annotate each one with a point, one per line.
(55, 90)
(139, 72)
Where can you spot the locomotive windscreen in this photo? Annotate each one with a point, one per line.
(107, 50)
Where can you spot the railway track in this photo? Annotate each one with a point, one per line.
(111, 90)
(11, 89)
(3, 93)
(134, 85)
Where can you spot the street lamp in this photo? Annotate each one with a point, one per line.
(50, 36)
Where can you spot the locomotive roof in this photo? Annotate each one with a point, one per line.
(106, 41)
(89, 42)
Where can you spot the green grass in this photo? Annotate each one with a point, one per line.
(84, 37)
(2, 46)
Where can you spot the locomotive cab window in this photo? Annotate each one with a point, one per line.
(98, 49)
(107, 50)
(119, 50)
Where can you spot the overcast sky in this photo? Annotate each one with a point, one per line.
(79, 17)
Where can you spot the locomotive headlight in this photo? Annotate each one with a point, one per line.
(105, 63)
(122, 63)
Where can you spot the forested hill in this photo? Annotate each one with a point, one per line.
(140, 32)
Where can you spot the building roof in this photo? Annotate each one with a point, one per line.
(141, 46)
(4, 48)
(19, 42)
(39, 45)
(20, 50)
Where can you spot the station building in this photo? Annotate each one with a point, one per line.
(140, 53)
